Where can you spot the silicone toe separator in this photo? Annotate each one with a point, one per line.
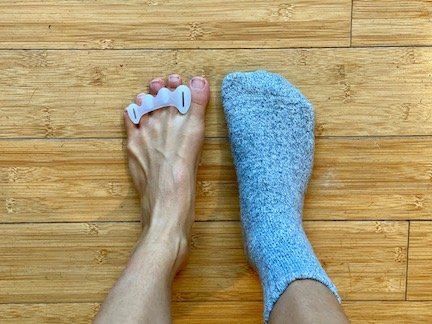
(180, 98)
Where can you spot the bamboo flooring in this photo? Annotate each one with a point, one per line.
(69, 215)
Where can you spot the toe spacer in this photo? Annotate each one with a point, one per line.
(180, 98)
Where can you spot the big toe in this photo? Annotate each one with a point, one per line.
(200, 91)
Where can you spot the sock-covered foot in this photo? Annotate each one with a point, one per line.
(271, 128)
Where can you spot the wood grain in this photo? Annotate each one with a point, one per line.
(174, 24)
(69, 212)
(388, 312)
(88, 180)
(392, 22)
(419, 285)
(356, 92)
(59, 313)
(216, 312)
(79, 262)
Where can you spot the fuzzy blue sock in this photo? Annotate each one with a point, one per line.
(271, 129)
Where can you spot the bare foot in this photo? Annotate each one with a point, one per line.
(163, 156)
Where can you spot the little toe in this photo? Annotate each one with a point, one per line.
(138, 98)
(129, 125)
(200, 91)
(174, 80)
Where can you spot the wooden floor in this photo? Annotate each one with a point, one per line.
(69, 214)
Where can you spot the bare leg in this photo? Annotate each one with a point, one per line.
(163, 158)
(307, 301)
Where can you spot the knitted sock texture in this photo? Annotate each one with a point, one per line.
(271, 129)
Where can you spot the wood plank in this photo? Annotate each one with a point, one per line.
(420, 261)
(59, 313)
(88, 180)
(388, 312)
(249, 312)
(356, 92)
(79, 262)
(392, 22)
(186, 24)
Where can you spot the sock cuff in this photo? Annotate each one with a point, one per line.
(286, 271)
(284, 259)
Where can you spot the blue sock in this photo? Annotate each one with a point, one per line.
(271, 129)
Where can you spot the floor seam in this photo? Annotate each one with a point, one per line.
(351, 24)
(407, 260)
(218, 48)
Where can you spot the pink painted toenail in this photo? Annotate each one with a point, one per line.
(198, 83)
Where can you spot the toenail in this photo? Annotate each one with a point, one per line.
(174, 77)
(198, 83)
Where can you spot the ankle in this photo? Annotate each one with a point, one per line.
(171, 216)
(167, 224)
(170, 244)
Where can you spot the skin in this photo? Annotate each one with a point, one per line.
(307, 301)
(163, 153)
